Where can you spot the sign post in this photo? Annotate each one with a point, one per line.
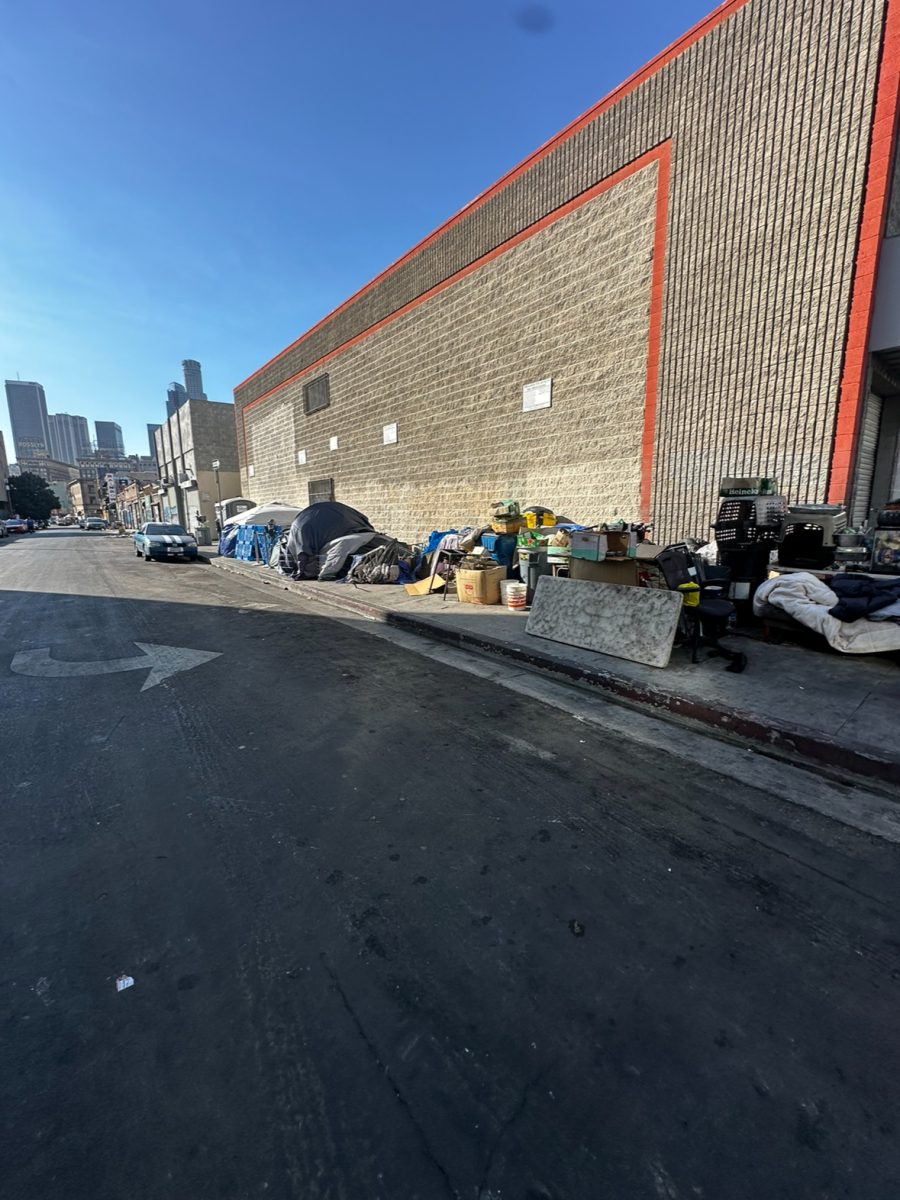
(215, 466)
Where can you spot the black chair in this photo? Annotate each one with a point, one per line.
(703, 623)
(452, 559)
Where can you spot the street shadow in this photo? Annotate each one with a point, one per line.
(385, 920)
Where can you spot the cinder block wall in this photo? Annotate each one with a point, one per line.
(570, 303)
(767, 118)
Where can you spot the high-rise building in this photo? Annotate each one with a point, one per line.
(109, 437)
(176, 395)
(28, 417)
(151, 430)
(193, 379)
(70, 438)
(4, 476)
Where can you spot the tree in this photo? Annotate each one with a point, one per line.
(30, 496)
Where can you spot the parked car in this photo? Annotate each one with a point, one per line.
(156, 541)
(16, 525)
(95, 523)
(4, 532)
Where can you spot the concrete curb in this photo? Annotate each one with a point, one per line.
(782, 740)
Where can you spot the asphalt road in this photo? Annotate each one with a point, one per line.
(396, 932)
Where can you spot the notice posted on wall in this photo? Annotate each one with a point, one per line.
(537, 395)
(389, 434)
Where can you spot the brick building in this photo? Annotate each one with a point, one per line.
(5, 507)
(138, 502)
(194, 436)
(84, 497)
(692, 265)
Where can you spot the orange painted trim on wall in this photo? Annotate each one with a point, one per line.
(654, 337)
(871, 233)
(661, 155)
(654, 155)
(693, 35)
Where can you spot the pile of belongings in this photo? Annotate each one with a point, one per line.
(263, 514)
(856, 614)
(330, 541)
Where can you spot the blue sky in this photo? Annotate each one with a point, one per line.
(199, 179)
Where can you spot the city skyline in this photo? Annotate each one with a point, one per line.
(65, 436)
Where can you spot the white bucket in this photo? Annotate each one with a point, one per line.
(513, 594)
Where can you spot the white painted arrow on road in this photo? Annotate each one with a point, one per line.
(162, 662)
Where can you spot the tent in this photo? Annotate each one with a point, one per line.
(274, 510)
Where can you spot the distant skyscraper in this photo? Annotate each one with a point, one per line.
(175, 397)
(70, 438)
(193, 379)
(4, 476)
(109, 437)
(28, 417)
(151, 429)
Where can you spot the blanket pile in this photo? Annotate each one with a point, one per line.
(814, 604)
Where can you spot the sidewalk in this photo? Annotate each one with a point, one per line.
(798, 703)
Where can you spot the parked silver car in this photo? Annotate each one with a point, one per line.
(158, 541)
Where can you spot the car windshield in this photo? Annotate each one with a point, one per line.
(170, 529)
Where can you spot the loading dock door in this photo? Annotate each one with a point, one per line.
(864, 471)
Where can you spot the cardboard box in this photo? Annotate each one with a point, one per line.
(589, 545)
(480, 587)
(618, 542)
(424, 586)
(506, 524)
(611, 570)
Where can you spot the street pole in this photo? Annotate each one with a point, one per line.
(215, 467)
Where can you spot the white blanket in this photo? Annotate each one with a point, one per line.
(807, 599)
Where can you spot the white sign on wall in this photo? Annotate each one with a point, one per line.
(250, 472)
(389, 434)
(537, 395)
(332, 443)
(301, 458)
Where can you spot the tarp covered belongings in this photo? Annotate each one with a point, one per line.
(228, 541)
(314, 528)
(392, 562)
(262, 514)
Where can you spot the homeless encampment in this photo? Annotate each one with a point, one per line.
(323, 539)
(282, 514)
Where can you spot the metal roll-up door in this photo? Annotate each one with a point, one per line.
(865, 461)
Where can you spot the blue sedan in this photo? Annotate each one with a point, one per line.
(153, 541)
